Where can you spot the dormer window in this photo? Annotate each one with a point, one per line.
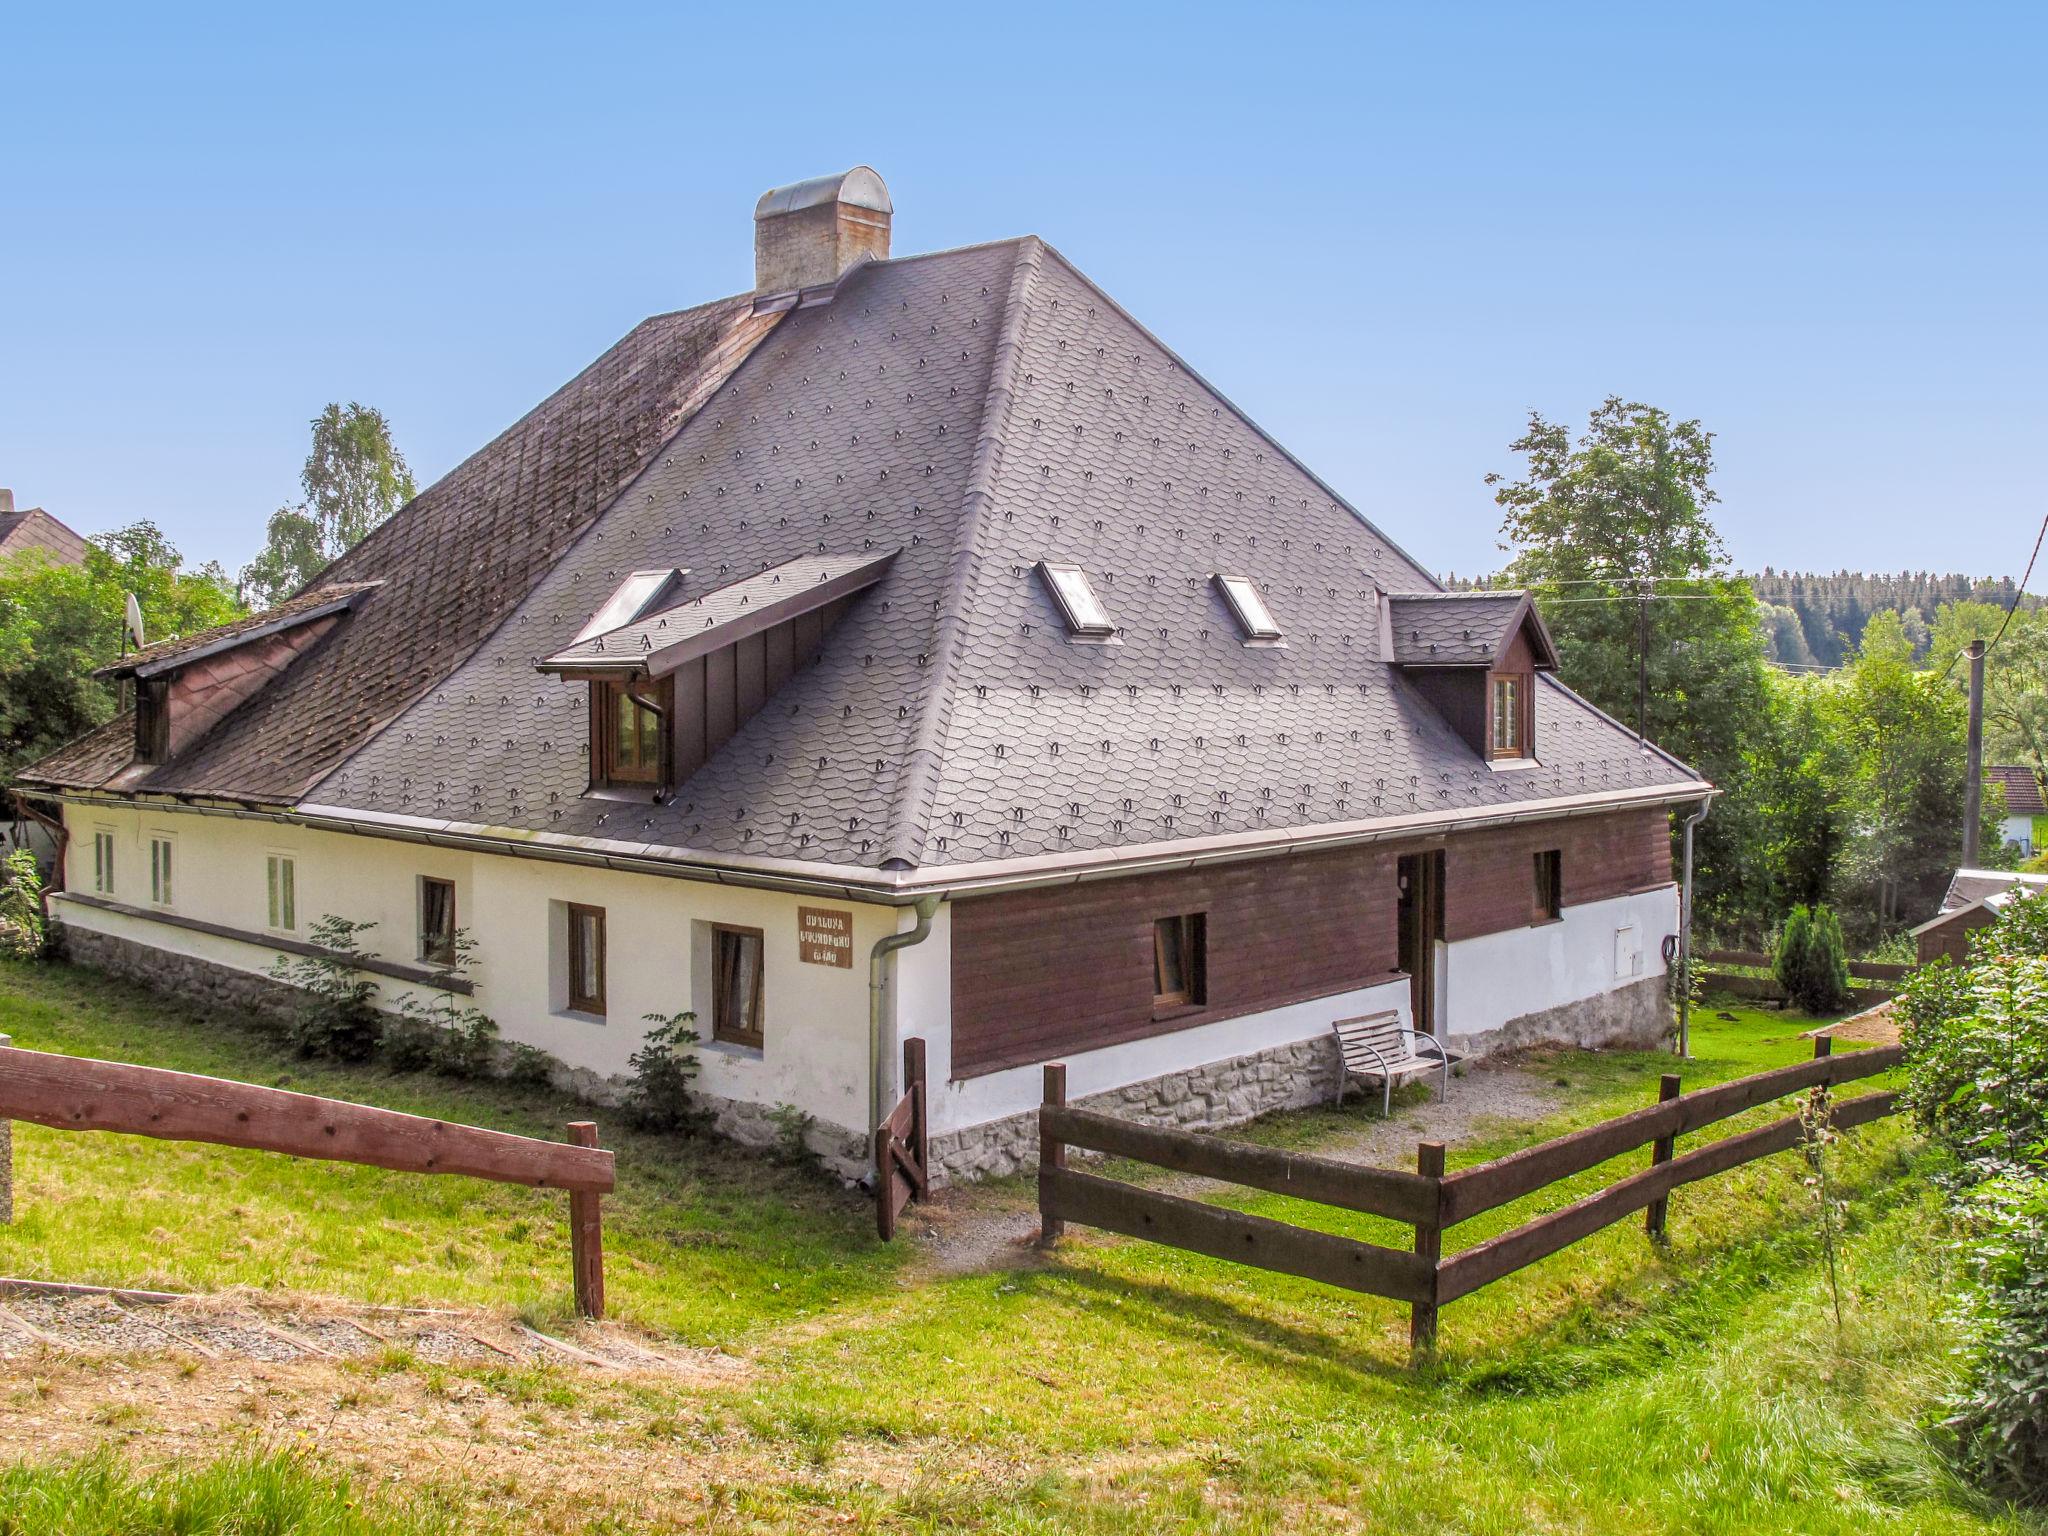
(1510, 735)
(1255, 620)
(152, 719)
(1086, 618)
(629, 732)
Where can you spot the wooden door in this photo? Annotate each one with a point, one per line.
(1420, 923)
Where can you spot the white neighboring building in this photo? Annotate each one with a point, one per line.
(922, 621)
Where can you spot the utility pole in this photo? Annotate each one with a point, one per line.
(1973, 785)
(1643, 664)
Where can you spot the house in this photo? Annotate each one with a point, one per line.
(33, 528)
(909, 646)
(1974, 899)
(2023, 826)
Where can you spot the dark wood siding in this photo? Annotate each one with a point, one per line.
(718, 693)
(1037, 974)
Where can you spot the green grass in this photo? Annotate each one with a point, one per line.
(700, 1244)
(1618, 1387)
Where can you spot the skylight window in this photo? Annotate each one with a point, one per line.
(1253, 617)
(1086, 618)
(636, 594)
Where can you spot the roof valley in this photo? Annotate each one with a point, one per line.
(918, 785)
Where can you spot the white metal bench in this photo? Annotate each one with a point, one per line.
(1378, 1046)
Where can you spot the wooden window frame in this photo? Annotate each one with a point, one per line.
(433, 948)
(103, 860)
(163, 869)
(1547, 896)
(584, 1002)
(1193, 993)
(281, 895)
(756, 1037)
(1524, 719)
(606, 770)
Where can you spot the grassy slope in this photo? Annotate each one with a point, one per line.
(1613, 1388)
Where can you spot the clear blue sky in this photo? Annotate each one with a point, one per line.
(1388, 232)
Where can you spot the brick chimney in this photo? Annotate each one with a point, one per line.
(809, 233)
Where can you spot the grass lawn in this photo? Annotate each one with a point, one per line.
(1615, 1387)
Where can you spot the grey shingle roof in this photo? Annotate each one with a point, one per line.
(981, 410)
(312, 602)
(1453, 629)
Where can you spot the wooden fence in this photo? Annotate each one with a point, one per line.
(1765, 988)
(902, 1151)
(1429, 1199)
(78, 1093)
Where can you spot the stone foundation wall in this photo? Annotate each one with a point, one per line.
(1199, 1099)
(6, 1163)
(1638, 1016)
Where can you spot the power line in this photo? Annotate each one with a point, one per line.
(2017, 593)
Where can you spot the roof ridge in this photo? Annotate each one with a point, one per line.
(1243, 415)
(917, 787)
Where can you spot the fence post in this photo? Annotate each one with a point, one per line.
(1429, 1244)
(1660, 1152)
(920, 1131)
(1052, 1153)
(586, 1233)
(1823, 1045)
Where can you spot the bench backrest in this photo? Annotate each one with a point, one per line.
(1362, 1036)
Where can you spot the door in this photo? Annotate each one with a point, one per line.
(1421, 924)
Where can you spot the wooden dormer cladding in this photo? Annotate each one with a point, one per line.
(1474, 656)
(694, 673)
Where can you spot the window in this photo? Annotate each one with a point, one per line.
(1086, 618)
(437, 921)
(736, 985)
(284, 917)
(1254, 619)
(160, 869)
(1549, 892)
(1510, 697)
(637, 594)
(152, 719)
(629, 732)
(586, 959)
(1179, 961)
(103, 861)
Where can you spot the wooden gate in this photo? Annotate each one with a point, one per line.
(901, 1153)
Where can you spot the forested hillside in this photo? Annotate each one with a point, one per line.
(1816, 619)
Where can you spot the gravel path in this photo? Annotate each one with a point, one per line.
(976, 1228)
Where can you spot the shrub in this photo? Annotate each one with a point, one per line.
(334, 1015)
(441, 1033)
(2001, 1417)
(1977, 1057)
(793, 1136)
(663, 1069)
(1811, 962)
(22, 934)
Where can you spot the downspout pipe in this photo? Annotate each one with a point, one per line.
(878, 1004)
(1685, 938)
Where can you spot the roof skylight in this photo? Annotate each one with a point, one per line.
(1086, 618)
(1253, 617)
(636, 594)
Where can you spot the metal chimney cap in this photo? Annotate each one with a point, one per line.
(860, 187)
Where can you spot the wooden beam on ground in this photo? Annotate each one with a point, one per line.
(1325, 1180)
(1066, 1195)
(72, 1093)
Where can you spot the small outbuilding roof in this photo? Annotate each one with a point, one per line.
(2022, 789)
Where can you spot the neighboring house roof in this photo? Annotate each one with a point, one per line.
(1973, 887)
(33, 528)
(972, 412)
(2022, 790)
(1464, 629)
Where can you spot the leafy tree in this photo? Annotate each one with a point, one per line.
(59, 622)
(353, 480)
(1598, 524)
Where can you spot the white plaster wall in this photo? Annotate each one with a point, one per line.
(814, 1016)
(955, 1106)
(1488, 981)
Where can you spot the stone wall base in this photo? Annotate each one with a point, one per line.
(1637, 1016)
(1198, 1099)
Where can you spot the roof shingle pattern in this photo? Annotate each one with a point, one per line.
(1451, 629)
(982, 410)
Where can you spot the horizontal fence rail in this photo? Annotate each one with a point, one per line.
(1863, 970)
(79, 1093)
(1429, 1199)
